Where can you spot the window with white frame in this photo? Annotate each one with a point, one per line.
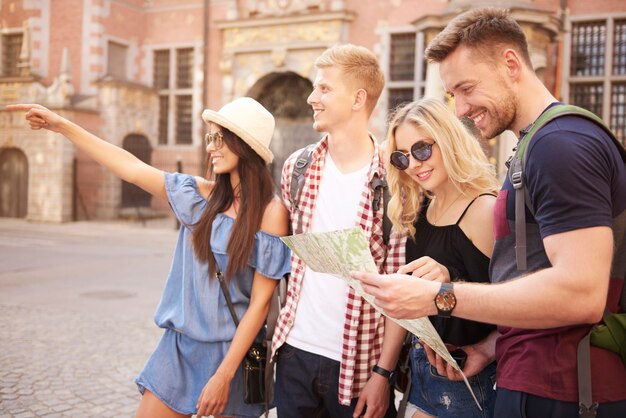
(407, 68)
(173, 78)
(116, 60)
(597, 69)
(11, 48)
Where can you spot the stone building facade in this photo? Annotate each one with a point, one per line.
(140, 72)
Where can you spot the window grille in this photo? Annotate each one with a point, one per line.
(597, 75)
(619, 48)
(588, 96)
(398, 97)
(11, 48)
(618, 111)
(162, 69)
(588, 48)
(164, 103)
(183, 120)
(184, 68)
(402, 57)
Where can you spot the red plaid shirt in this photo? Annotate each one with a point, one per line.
(363, 327)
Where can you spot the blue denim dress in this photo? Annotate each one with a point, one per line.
(193, 311)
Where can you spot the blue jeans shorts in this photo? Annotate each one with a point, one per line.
(443, 398)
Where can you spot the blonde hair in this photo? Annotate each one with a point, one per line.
(465, 161)
(360, 67)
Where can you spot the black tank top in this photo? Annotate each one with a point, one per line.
(448, 245)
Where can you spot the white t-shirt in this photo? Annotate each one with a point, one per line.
(320, 316)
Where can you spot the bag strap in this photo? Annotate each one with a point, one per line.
(378, 185)
(518, 161)
(297, 180)
(587, 408)
(275, 305)
(226, 293)
(404, 367)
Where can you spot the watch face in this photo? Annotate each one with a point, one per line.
(445, 301)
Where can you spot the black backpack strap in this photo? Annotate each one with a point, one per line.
(297, 180)
(277, 301)
(381, 189)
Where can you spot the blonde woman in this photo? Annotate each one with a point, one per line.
(443, 192)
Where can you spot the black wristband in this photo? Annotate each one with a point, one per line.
(383, 372)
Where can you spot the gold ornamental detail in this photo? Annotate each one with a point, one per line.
(329, 31)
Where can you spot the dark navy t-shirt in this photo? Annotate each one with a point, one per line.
(576, 179)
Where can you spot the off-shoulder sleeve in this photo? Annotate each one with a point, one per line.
(184, 198)
(271, 257)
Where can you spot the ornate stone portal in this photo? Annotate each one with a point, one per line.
(269, 55)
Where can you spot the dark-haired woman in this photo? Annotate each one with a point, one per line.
(231, 224)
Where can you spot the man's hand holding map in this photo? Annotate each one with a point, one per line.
(340, 252)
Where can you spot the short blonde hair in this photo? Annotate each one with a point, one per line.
(464, 159)
(360, 67)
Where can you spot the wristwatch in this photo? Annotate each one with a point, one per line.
(388, 374)
(445, 301)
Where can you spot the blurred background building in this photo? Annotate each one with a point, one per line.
(140, 72)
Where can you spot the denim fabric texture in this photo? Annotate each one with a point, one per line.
(514, 404)
(193, 311)
(443, 398)
(312, 392)
(180, 367)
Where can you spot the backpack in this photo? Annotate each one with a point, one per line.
(611, 332)
(378, 186)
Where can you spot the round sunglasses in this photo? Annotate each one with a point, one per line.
(214, 138)
(421, 151)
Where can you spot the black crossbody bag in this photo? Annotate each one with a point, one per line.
(255, 359)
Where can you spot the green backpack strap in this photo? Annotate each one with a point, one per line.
(518, 161)
(587, 408)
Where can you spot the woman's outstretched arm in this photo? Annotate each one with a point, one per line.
(119, 161)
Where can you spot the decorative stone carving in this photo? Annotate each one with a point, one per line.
(256, 8)
(289, 33)
(61, 90)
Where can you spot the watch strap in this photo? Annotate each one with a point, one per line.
(383, 372)
(445, 287)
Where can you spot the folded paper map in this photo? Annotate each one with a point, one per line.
(340, 252)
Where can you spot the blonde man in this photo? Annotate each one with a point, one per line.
(328, 339)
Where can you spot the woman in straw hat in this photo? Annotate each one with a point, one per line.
(230, 223)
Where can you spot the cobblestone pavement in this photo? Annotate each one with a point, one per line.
(76, 306)
(58, 364)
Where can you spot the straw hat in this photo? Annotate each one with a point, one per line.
(249, 120)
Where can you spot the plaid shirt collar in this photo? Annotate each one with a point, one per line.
(363, 326)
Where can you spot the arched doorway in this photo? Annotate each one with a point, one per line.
(133, 196)
(13, 183)
(284, 95)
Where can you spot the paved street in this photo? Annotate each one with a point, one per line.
(76, 306)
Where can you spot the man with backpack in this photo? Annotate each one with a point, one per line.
(553, 270)
(331, 361)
